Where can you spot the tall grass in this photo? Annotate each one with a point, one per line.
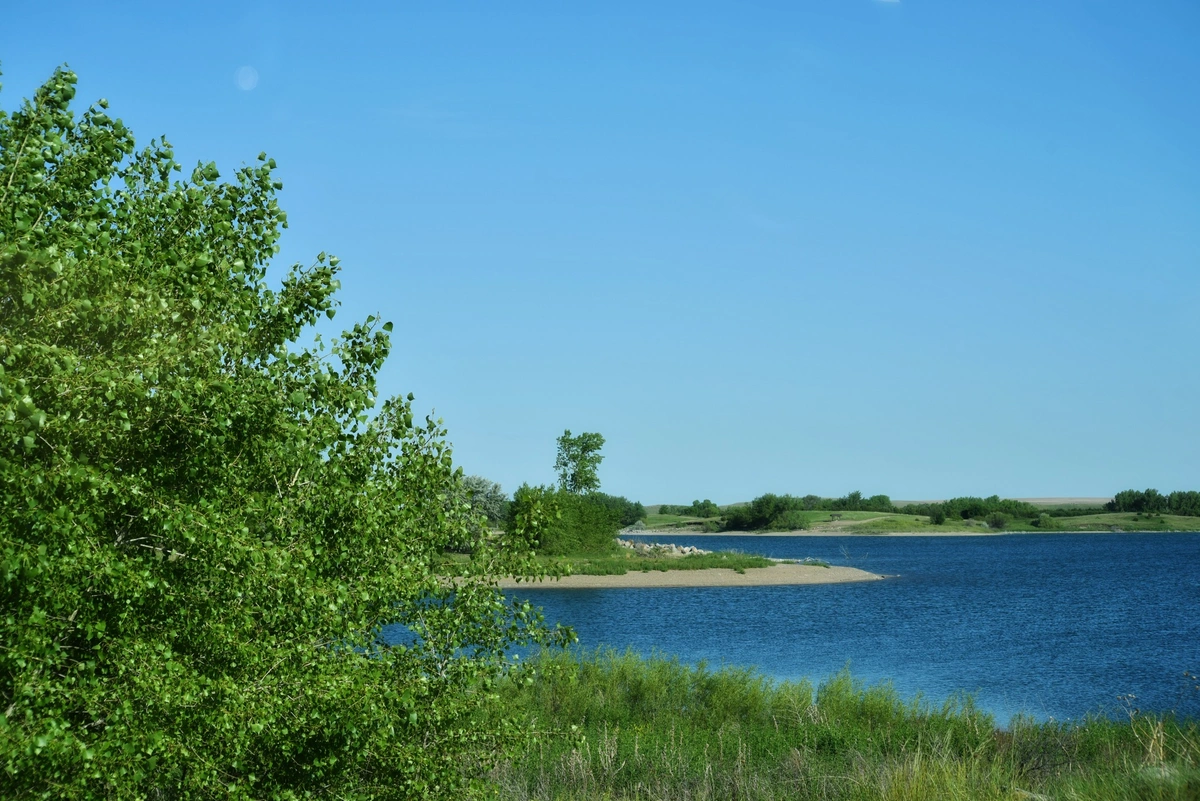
(616, 726)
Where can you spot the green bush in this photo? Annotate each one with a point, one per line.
(997, 520)
(573, 524)
(1047, 523)
(204, 521)
(791, 520)
(628, 512)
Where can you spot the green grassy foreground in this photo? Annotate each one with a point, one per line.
(615, 726)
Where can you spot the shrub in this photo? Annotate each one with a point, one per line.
(628, 512)
(204, 522)
(791, 520)
(563, 522)
(997, 520)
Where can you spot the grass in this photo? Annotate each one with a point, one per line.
(616, 726)
(1128, 521)
(682, 523)
(904, 523)
(618, 562)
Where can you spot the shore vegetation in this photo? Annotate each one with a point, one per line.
(621, 561)
(609, 725)
(206, 511)
(784, 513)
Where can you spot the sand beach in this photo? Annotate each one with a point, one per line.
(782, 574)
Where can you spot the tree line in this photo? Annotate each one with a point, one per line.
(704, 508)
(1153, 502)
(787, 512)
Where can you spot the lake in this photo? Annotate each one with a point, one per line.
(1050, 625)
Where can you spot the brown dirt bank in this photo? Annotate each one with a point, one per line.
(712, 577)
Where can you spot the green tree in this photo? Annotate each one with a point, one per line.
(628, 512)
(704, 508)
(1153, 502)
(487, 498)
(1184, 502)
(578, 460)
(203, 523)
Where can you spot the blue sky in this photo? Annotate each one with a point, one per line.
(923, 248)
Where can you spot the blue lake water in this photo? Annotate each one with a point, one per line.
(1053, 626)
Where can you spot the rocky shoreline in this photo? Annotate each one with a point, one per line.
(665, 549)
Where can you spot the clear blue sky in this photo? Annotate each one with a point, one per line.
(924, 248)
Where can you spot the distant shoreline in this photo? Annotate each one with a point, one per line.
(774, 576)
(837, 533)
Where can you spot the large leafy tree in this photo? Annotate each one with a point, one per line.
(578, 461)
(204, 524)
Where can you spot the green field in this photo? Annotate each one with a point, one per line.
(676, 522)
(1128, 521)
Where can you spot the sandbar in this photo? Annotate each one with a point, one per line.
(775, 575)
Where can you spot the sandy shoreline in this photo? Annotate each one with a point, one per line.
(775, 575)
(836, 533)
